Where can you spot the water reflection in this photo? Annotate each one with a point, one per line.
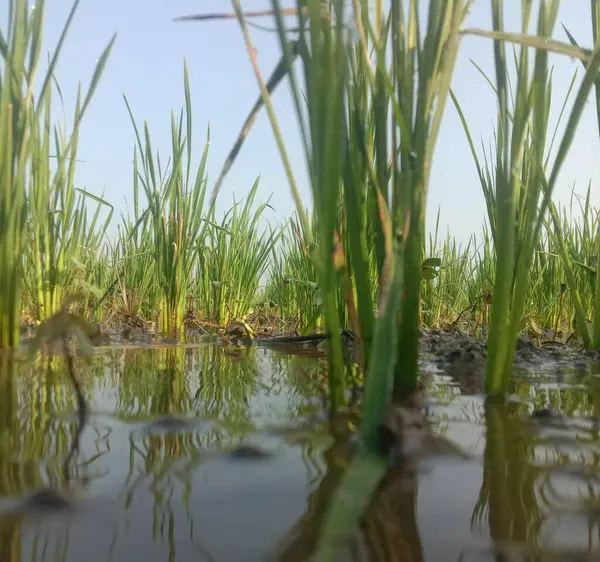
(508, 501)
(532, 451)
(212, 453)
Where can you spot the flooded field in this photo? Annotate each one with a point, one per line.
(208, 453)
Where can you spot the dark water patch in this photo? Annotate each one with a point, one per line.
(48, 499)
(44, 501)
(249, 452)
(172, 425)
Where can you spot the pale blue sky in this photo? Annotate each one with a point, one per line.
(147, 65)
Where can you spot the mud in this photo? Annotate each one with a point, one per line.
(463, 358)
(450, 352)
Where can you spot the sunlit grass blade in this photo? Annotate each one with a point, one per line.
(539, 42)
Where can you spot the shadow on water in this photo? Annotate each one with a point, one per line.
(213, 453)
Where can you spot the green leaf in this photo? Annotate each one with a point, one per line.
(432, 262)
(428, 273)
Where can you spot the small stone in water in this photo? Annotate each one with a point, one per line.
(249, 452)
(545, 414)
(47, 498)
(169, 424)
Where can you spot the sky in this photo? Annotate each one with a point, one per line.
(146, 65)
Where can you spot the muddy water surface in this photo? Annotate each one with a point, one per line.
(203, 453)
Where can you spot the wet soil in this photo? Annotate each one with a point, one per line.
(463, 357)
(455, 353)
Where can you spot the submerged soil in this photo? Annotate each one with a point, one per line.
(211, 452)
(463, 358)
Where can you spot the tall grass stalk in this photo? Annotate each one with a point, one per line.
(421, 76)
(175, 204)
(345, 131)
(591, 338)
(62, 233)
(17, 112)
(515, 186)
(326, 76)
(21, 116)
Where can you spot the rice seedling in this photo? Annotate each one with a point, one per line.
(62, 237)
(175, 204)
(292, 283)
(18, 114)
(32, 207)
(446, 274)
(232, 259)
(515, 187)
(571, 244)
(133, 263)
(591, 337)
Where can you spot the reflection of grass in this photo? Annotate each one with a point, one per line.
(33, 444)
(10, 539)
(352, 496)
(518, 495)
(175, 380)
(508, 498)
(299, 541)
(213, 383)
(34, 448)
(387, 529)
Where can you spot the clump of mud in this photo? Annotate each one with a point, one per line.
(463, 357)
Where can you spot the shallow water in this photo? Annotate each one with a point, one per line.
(203, 453)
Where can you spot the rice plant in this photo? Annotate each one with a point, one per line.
(369, 193)
(571, 250)
(175, 205)
(133, 263)
(63, 236)
(17, 112)
(292, 284)
(25, 127)
(591, 337)
(515, 186)
(232, 258)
